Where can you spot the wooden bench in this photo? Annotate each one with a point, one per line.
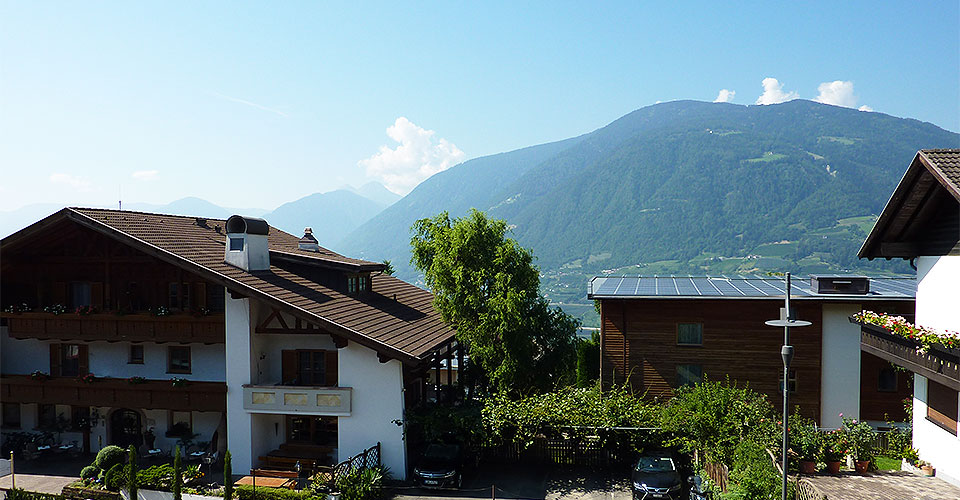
(291, 474)
(287, 463)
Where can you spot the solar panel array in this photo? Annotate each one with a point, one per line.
(735, 286)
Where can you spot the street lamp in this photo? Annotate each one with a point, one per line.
(786, 352)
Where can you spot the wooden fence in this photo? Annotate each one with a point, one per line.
(719, 474)
(366, 459)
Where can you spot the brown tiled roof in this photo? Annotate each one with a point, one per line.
(396, 318)
(945, 164)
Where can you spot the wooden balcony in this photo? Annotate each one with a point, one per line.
(938, 364)
(292, 399)
(115, 328)
(115, 392)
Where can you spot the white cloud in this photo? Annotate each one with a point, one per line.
(145, 175)
(70, 180)
(250, 103)
(837, 93)
(773, 92)
(725, 95)
(865, 108)
(418, 156)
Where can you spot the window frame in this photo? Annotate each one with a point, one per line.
(131, 360)
(896, 379)
(64, 358)
(172, 419)
(42, 424)
(170, 367)
(690, 344)
(793, 381)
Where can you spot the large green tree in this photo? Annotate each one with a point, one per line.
(488, 289)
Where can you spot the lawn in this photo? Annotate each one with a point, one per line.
(887, 463)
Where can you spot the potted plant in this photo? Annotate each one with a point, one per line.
(806, 442)
(861, 438)
(925, 467)
(834, 449)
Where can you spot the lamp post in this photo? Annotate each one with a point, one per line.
(786, 352)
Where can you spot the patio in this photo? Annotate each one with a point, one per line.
(885, 485)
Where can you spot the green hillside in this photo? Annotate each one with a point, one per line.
(678, 188)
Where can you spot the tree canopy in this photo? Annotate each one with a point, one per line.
(486, 287)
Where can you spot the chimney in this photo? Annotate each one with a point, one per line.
(841, 285)
(247, 243)
(308, 242)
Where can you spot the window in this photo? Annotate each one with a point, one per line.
(312, 430)
(887, 379)
(46, 416)
(942, 406)
(80, 294)
(364, 283)
(311, 368)
(181, 424)
(179, 296)
(11, 415)
(69, 360)
(792, 381)
(178, 359)
(136, 354)
(689, 375)
(352, 284)
(236, 244)
(690, 334)
(80, 418)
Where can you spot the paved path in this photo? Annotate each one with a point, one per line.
(886, 485)
(524, 482)
(38, 483)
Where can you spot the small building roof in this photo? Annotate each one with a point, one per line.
(922, 215)
(395, 318)
(737, 287)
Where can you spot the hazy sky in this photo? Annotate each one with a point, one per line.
(255, 104)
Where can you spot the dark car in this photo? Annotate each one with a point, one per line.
(656, 475)
(440, 466)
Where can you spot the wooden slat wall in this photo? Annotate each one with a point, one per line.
(876, 405)
(736, 343)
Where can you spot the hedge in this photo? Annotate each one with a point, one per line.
(21, 494)
(246, 492)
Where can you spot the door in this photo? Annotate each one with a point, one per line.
(125, 428)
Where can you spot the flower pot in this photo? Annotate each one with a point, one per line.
(927, 470)
(833, 467)
(808, 467)
(861, 466)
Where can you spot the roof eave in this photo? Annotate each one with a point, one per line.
(327, 263)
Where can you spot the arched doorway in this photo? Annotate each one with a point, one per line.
(125, 428)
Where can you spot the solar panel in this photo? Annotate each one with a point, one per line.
(648, 286)
(705, 286)
(725, 287)
(608, 286)
(732, 286)
(685, 286)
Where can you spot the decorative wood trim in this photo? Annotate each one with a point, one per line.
(941, 367)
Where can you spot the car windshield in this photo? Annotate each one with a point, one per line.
(655, 464)
(446, 452)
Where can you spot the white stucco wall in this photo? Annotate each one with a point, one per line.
(937, 296)
(106, 359)
(377, 403)
(840, 365)
(269, 432)
(937, 446)
(238, 369)
(267, 348)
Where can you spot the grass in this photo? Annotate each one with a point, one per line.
(886, 463)
(768, 156)
(846, 141)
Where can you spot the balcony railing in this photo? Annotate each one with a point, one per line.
(297, 399)
(113, 327)
(939, 363)
(117, 392)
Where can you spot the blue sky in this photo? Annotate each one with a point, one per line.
(256, 104)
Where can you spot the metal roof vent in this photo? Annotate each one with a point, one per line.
(246, 246)
(308, 242)
(840, 285)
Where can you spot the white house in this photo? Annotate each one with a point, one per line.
(921, 222)
(232, 332)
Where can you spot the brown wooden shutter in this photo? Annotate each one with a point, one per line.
(200, 294)
(288, 362)
(84, 362)
(96, 296)
(331, 369)
(59, 293)
(54, 360)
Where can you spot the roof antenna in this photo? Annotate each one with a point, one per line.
(119, 197)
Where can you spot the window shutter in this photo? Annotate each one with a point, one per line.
(96, 296)
(84, 363)
(59, 293)
(331, 368)
(200, 294)
(288, 361)
(54, 360)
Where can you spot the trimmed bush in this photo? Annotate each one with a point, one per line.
(177, 476)
(227, 477)
(116, 477)
(132, 473)
(21, 494)
(89, 472)
(246, 492)
(157, 477)
(110, 456)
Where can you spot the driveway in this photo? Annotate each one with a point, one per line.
(884, 485)
(530, 482)
(44, 475)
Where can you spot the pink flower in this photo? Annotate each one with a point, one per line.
(841, 414)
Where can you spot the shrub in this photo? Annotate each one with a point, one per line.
(805, 438)
(20, 494)
(246, 492)
(361, 484)
(89, 472)
(177, 475)
(132, 473)
(109, 456)
(158, 477)
(753, 473)
(116, 477)
(861, 438)
(227, 477)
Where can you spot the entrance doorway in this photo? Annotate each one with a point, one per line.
(125, 428)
